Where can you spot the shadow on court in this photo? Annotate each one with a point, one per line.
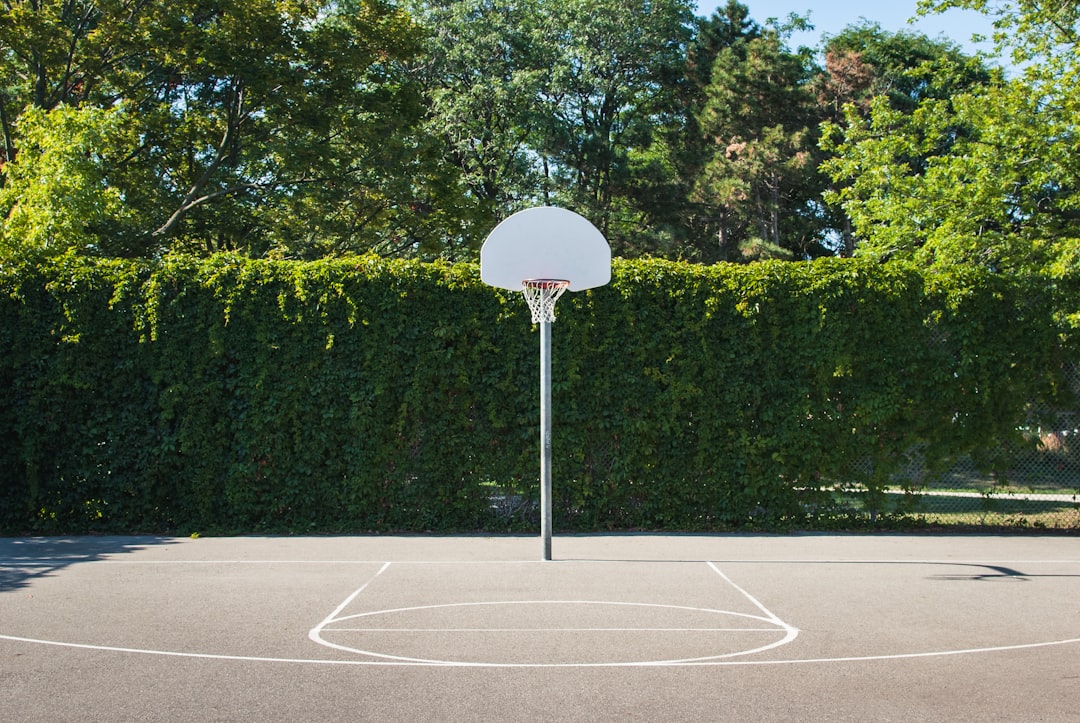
(25, 559)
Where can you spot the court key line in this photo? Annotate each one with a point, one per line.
(316, 633)
(332, 616)
(750, 597)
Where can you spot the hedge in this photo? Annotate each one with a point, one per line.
(238, 395)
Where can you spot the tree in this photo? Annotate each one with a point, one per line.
(1032, 30)
(864, 61)
(988, 176)
(759, 183)
(560, 102)
(481, 71)
(682, 149)
(283, 126)
(56, 52)
(63, 198)
(614, 69)
(723, 29)
(258, 125)
(863, 64)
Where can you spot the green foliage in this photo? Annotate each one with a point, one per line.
(865, 61)
(872, 72)
(304, 130)
(759, 182)
(554, 102)
(370, 395)
(483, 71)
(249, 125)
(970, 172)
(986, 178)
(58, 193)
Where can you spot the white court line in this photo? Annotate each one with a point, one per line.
(389, 662)
(790, 632)
(489, 603)
(316, 633)
(754, 600)
(551, 629)
(39, 561)
(345, 603)
(317, 661)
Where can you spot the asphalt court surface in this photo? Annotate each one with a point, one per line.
(673, 627)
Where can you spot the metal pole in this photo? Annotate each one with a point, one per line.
(545, 437)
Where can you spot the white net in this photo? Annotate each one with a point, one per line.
(541, 295)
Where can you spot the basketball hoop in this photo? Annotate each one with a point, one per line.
(541, 295)
(543, 252)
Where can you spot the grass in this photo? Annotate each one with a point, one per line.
(1008, 509)
(1055, 481)
(1033, 472)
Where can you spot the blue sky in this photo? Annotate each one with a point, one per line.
(830, 18)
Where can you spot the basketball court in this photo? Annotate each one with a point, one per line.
(598, 627)
(678, 627)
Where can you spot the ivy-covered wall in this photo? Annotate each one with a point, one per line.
(356, 395)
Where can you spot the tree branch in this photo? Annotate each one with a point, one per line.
(236, 117)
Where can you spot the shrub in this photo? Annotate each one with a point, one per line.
(363, 394)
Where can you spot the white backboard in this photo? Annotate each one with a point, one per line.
(545, 243)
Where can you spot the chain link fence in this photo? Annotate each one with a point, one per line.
(1040, 488)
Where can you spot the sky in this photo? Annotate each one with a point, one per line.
(829, 17)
